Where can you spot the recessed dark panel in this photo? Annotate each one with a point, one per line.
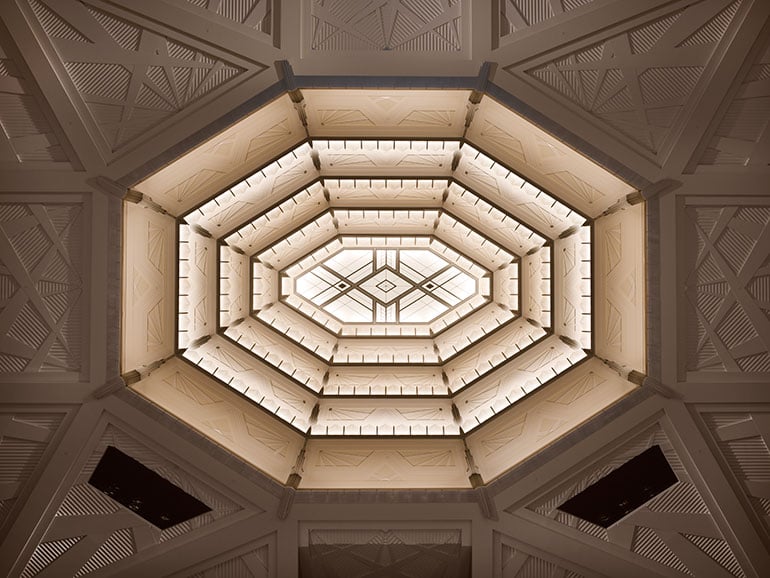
(622, 491)
(143, 491)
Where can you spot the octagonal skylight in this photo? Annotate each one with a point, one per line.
(359, 289)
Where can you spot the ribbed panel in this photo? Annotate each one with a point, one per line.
(425, 9)
(21, 116)
(46, 553)
(30, 246)
(11, 363)
(108, 81)
(748, 458)
(534, 11)
(648, 544)
(29, 328)
(125, 34)
(234, 568)
(681, 498)
(159, 76)
(668, 85)
(176, 50)
(54, 26)
(759, 362)
(118, 546)
(644, 38)
(719, 551)
(572, 4)
(736, 328)
(85, 500)
(735, 248)
(715, 28)
(536, 568)
(8, 287)
(19, 458)
(150, 99)
(237, 10)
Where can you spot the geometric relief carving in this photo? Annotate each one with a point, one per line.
(392, 552)
(728, 289)
(91, 530)
(389, 463)
(255, 560)
(396, 25)
(620, 259)
(544, 416)
(674, 529)
(255, 14)
(24, 438)
(131, 79)
(743, 439)
(517, 15)
(738, 138)
(513, 561)
(147, 254)
(667, 57)
(40, 287)
(26, 135)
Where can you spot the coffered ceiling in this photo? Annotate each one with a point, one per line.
(158, 153)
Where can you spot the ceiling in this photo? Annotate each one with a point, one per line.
(96, 96)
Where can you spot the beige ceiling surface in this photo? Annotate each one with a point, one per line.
(671, 96)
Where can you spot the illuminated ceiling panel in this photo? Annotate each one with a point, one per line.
(384, 286)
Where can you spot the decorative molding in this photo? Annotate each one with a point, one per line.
(675, 529)
(257, 15)
(43, 276)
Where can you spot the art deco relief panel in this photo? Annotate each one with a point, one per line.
(672, 48)
(44, 285)
(726, 285)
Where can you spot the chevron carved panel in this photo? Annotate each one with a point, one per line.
(740, 136)
(513, 560)
(669, 53)
(743, 439)
(728, 287)
(24, 438)
(411, 463)
(400, 25)
(90, 530)
(620, 263)
(674, 529)
(516, 15)
(26, 135)
(255, 560)
(41, 286)
(131, 80)
(257, 15)
(148, 261)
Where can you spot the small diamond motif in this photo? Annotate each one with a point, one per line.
(386, 285)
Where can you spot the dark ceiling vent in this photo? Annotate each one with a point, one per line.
(622, 491)
(143, 491)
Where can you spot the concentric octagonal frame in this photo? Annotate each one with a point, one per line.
(317, 403)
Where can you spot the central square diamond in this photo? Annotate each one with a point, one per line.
(386, 286)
